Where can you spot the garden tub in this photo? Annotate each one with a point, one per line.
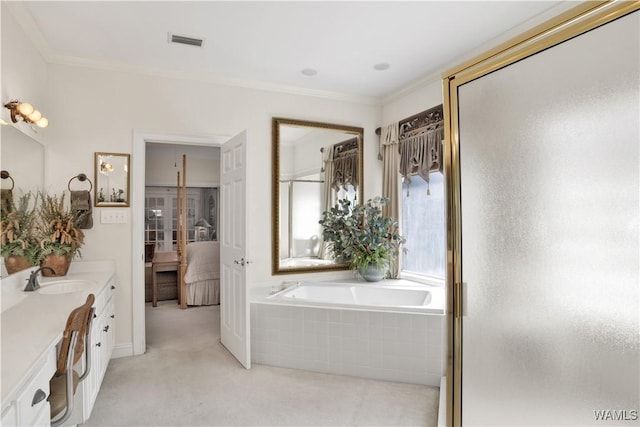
(392, 330)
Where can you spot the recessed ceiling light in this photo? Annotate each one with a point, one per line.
(309, 72)
(381, 66)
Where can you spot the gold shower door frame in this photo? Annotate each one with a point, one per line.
(574, 22)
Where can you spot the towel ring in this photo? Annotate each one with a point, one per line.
(5, 175)
(81, 177)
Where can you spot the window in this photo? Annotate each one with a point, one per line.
(423, 225)
(160, 217)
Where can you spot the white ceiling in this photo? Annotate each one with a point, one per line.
(269, 43)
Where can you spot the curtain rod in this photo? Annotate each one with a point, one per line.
(425, 112)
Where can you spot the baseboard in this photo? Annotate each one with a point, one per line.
(122, 350)
(442, 405)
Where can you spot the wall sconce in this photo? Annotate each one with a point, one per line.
(26, 112)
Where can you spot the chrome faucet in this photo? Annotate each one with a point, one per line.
(32, 283)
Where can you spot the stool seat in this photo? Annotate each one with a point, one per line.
(58, 395)
(75, 339)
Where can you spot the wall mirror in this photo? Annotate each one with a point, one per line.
(111, 187)
(23, 158)
(314, 165)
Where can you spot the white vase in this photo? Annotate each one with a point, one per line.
(372, 273)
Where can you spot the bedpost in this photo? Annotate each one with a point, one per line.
(182, 289)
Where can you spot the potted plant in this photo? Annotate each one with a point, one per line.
(18, 246)
(58, 233)
(362, 236)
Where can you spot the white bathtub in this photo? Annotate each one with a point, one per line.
(304, 262)
(390, 295)
(392, 330)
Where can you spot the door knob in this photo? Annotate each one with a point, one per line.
(241, 261)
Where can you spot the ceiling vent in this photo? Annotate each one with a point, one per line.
(191, 41)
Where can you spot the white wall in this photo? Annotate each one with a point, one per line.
(94, 110)
(421, 98)
(24, 72)
(203, 165)
(97, 110)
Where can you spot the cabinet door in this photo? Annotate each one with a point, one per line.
(111, 334)
(10, 416)
(44, 417)
(91, 384)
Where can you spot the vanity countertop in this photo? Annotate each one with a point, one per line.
(34, 325)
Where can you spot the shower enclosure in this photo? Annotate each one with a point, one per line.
(544, 210)
(300, 209)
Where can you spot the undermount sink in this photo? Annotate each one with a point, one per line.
(64, 286)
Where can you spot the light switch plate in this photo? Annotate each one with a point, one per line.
(114, 216)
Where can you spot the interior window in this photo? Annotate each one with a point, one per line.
(423, 225)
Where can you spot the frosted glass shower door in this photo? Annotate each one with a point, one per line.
(549, 173)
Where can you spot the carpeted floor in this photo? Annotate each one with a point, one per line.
(187, 378)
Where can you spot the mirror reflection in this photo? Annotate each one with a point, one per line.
(23, 158)
(112, 179)
(314, 166)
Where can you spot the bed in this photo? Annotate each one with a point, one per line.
(202, 276)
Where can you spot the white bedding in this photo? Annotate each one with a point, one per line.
(203, 273)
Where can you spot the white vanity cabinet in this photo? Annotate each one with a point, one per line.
(32, 327)
(102, 341)
(101, 348)
(31, 407)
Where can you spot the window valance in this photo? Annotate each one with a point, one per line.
(420, 144)
(345, 164)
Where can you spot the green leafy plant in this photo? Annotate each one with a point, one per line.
(17, 224)
(360, 234)
(57, 228)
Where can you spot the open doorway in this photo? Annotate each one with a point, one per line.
(203, 154)
(163, 162)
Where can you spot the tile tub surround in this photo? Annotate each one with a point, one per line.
(383, 345)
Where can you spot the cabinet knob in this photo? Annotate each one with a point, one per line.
(38, 397)
(113, 316)
(106, 328)
(95, 315)
(98, 344)
(112, 287)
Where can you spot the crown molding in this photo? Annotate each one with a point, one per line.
(416, 84)
(208, 77)
(29, 26)
(26, 21)
(438, 75)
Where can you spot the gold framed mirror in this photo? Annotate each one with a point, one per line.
(313, 166)
(111, 187)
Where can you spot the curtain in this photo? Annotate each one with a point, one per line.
(327, 195)
(391, 180)
(345, 164)
(421, 153)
